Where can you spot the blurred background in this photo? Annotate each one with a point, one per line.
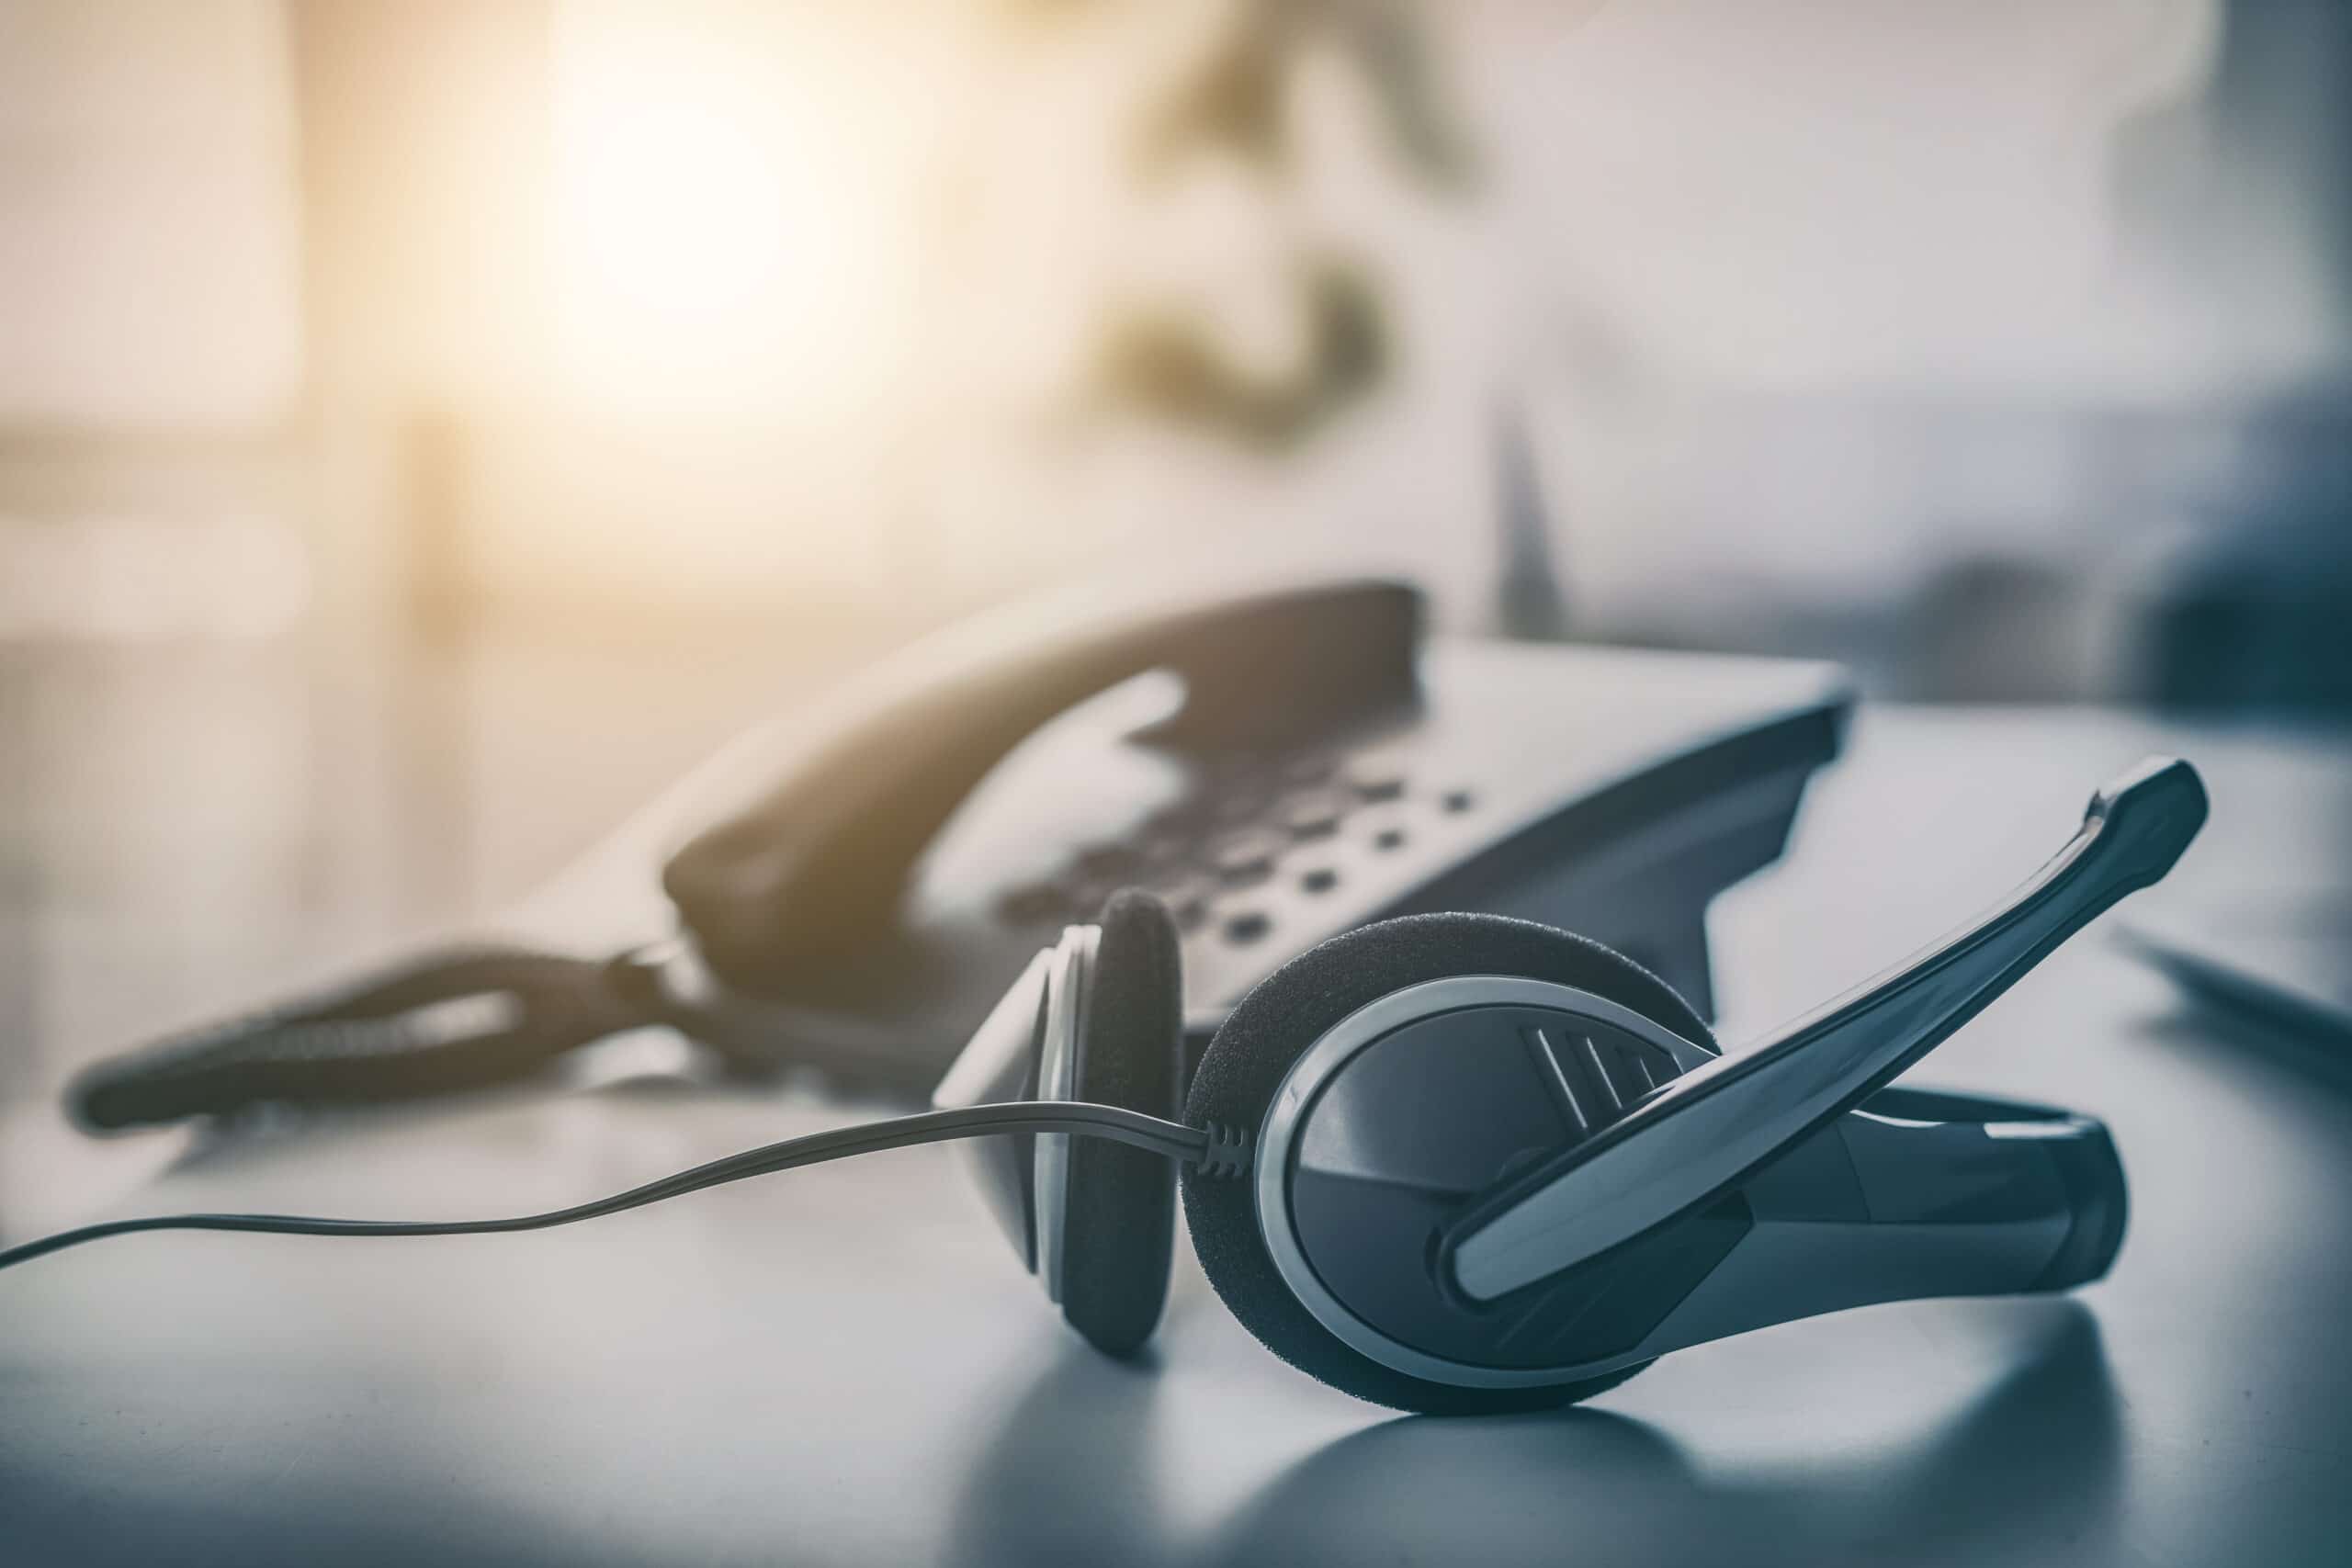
(428, 428)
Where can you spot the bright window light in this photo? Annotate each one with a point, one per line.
(710, 235)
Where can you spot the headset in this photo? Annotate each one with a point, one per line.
(1457, 1163)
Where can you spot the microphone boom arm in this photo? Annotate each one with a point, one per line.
(1705, 1131)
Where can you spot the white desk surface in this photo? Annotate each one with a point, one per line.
(841, 1365)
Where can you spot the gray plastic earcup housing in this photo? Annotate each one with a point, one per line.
(997, 1066)
(1025, 1049)
(1098, 1018)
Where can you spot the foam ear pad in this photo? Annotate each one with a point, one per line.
(1276, 1023)
(1119, 1218)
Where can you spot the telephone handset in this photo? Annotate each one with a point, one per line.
(850, 887)
(815, 869)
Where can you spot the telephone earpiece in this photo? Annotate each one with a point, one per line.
(1497, 1167)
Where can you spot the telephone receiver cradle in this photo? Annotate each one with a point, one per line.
(1492, 1166)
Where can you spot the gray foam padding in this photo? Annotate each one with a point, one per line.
(1119, 1223)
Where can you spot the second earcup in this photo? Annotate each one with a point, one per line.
(1119, 1217)
(1277, 1022)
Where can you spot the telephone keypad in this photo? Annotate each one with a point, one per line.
(1231, 835)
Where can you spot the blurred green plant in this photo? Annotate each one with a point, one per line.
(1239, 101)
(1164, 364)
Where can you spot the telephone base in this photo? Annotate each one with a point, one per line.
(1611, 792)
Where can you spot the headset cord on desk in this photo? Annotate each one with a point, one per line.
(1216, 1150)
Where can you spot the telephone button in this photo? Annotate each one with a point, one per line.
(1247, 927)
(1314, 816)
(1239, 805)
(1309, 770)
(1245, 860)
(1322, 879)
(1372, 781)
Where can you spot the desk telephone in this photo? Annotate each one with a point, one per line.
(855, 884)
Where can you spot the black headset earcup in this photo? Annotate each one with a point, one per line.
(1275, 1023)
(1119, 1221)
